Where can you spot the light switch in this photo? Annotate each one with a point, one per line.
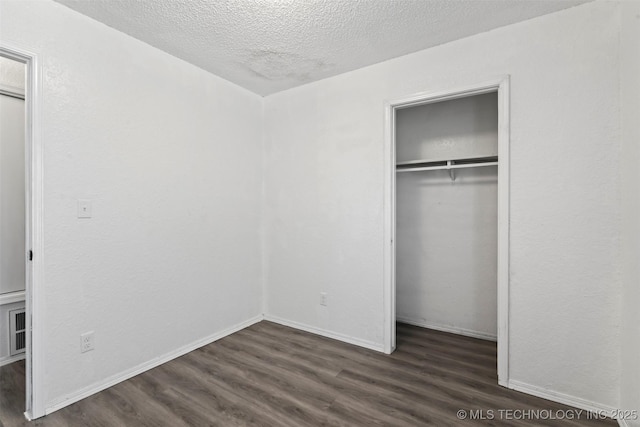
(84, 208)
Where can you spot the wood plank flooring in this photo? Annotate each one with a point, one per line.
(271, 375)
(12, 394)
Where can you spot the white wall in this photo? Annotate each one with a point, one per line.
(461, 128)
(325, 204)
(446, 250)
(12, 194)
(171, 157)
(11, 73)
(630, 194)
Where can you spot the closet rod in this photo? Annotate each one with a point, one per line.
(448, 166)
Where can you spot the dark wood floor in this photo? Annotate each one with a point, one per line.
(271, 375)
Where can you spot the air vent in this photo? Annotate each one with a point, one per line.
(17, 331)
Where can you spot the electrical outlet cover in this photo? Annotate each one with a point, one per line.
(87, 342)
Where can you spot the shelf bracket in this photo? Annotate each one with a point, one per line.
(452, 173)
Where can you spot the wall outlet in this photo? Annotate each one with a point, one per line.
(87, 342)
(323, 298)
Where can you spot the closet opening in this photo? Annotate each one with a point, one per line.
(447, 221)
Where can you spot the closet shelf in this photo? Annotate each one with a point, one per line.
(426, 165)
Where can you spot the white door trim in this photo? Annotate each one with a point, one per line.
(34, 229)
(501, 86)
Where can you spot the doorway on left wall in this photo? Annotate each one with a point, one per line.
(13, 238)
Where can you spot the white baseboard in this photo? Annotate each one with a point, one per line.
(12, 297)
(323, 332)
(450, 329)
(565, 399)
(115, 379)
(10, 359)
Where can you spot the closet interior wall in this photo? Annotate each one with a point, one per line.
(446, 220)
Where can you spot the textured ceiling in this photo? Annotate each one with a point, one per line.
(270, 45)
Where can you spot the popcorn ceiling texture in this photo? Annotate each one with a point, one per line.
(267, 46)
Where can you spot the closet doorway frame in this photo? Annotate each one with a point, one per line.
(34, 226)
(501, 87)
